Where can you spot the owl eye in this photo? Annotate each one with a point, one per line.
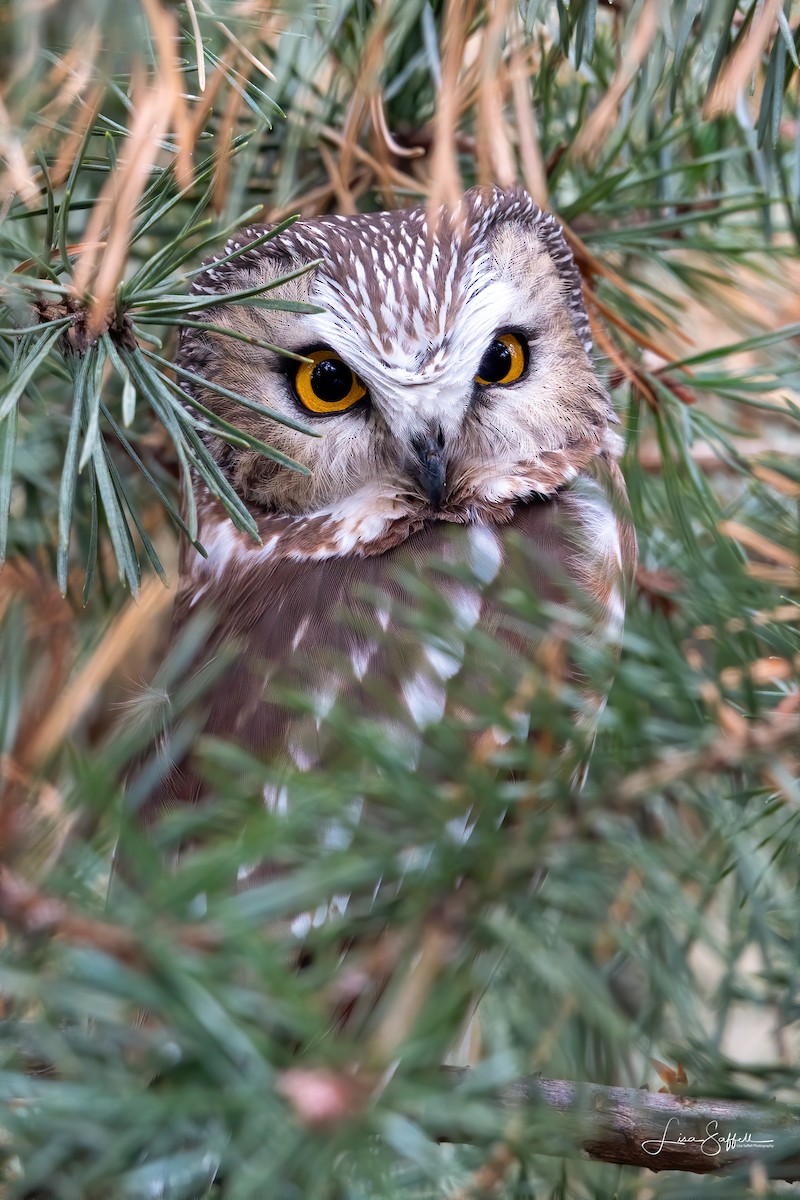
(326, 384)
(504, 361)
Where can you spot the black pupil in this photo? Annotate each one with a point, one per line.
(331, 380)
(496, 362)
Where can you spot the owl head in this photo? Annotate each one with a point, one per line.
(448, 368)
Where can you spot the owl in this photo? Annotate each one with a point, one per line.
(460, 436)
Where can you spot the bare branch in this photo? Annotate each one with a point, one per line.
(637, 1128)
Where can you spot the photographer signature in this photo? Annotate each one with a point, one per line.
(712, 1144)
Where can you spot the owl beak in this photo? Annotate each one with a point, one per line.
(428, 466)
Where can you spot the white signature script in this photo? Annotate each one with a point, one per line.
(711, 1144)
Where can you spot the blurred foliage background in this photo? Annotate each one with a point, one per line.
(133, 139)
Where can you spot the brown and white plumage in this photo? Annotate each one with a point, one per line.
(430, 469)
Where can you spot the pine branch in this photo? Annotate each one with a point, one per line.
(637, 1128)
(625, 1126)
(754, 740)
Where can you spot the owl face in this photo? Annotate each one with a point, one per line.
(449, 366)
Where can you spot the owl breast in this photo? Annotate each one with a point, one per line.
(313, 628)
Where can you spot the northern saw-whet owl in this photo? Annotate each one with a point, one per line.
(460, 420)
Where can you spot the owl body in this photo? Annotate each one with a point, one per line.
(464, 442)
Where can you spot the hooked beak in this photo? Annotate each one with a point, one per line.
(428, 466)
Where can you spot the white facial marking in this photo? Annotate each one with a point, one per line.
(356, 520)
(453, 331)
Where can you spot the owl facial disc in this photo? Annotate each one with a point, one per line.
(442, 364)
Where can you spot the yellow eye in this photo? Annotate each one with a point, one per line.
(503, 362)
(326, 384)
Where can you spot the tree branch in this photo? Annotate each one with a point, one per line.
(637, 1128)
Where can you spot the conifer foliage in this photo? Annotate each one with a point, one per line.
(160, 1040)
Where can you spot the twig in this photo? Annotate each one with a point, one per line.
(82, 691)
(234, 40)
(198, 42)
(751, 539)
(759, 739)
(34, 914)
(378, 114)
(445, 175)
(397, 1023)
(530, 152)
(631, 1127)
(708, 459)
(637, 1128)
(589, 143)
(742, 63)
(495, 157)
